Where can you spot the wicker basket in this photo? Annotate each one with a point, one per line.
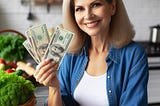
(30, 102)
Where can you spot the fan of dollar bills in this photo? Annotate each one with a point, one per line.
(42, 46)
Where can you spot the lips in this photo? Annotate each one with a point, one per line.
(91, 24)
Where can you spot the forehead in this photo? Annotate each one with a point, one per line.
(86, 1)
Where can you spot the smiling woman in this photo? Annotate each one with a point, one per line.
(121, 30)
(91, 18)
(102, 60)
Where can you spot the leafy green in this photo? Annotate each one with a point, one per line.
(19, 72)
(14, 90)
(11, 48)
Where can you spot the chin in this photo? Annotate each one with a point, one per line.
(92, 33)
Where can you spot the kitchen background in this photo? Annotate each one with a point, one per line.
(143, 14)
(13, 15)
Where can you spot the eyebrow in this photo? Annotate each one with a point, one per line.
(79, 5)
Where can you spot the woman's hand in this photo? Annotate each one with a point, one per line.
(46, 73)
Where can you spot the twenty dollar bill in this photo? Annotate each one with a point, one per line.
(58, 45)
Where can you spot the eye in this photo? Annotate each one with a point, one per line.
(96, 4)
(78, 9)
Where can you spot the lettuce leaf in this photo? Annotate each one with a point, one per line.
(11, 48)
(14, 90)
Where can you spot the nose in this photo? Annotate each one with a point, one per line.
(88, 14)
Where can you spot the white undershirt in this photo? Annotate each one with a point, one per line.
(91, 91)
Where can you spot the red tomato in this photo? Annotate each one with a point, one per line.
(12, 64)
(3, 61)
(9, 71)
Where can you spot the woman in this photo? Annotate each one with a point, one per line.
(103, 66)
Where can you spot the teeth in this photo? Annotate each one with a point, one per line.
(91, 24)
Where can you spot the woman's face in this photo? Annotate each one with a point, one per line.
(93, 16)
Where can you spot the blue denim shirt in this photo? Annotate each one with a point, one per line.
(127, 75)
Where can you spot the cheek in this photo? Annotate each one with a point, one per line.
(107, 15)
(78, 20)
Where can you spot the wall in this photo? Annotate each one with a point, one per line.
(14, 15)
(143, 14)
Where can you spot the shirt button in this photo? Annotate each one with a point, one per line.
(108, 76)
(110, 91)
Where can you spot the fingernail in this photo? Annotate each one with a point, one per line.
(50, 60)
(47, 60)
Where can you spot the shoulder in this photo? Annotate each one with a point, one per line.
(131, 52)
(134, 53)
(133, 48)
(70, 57)
(70, 60)
(134, 45)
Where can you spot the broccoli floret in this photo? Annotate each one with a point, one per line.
(14, 90)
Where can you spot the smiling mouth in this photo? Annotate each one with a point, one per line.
(91, 24)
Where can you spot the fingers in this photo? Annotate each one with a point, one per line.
(49, 79)
(43, 63)
(46, 76)
(46, 71)
(44, 68)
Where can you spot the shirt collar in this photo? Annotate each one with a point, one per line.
(114, 53)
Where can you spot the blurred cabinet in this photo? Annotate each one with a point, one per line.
(154, 87)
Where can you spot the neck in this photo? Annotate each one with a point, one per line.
(99, 45)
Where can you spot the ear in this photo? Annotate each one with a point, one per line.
(113, 7)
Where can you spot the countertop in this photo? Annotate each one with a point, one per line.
(154, 87)
(41, 94)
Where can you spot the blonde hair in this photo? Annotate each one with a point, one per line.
(121, 30)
